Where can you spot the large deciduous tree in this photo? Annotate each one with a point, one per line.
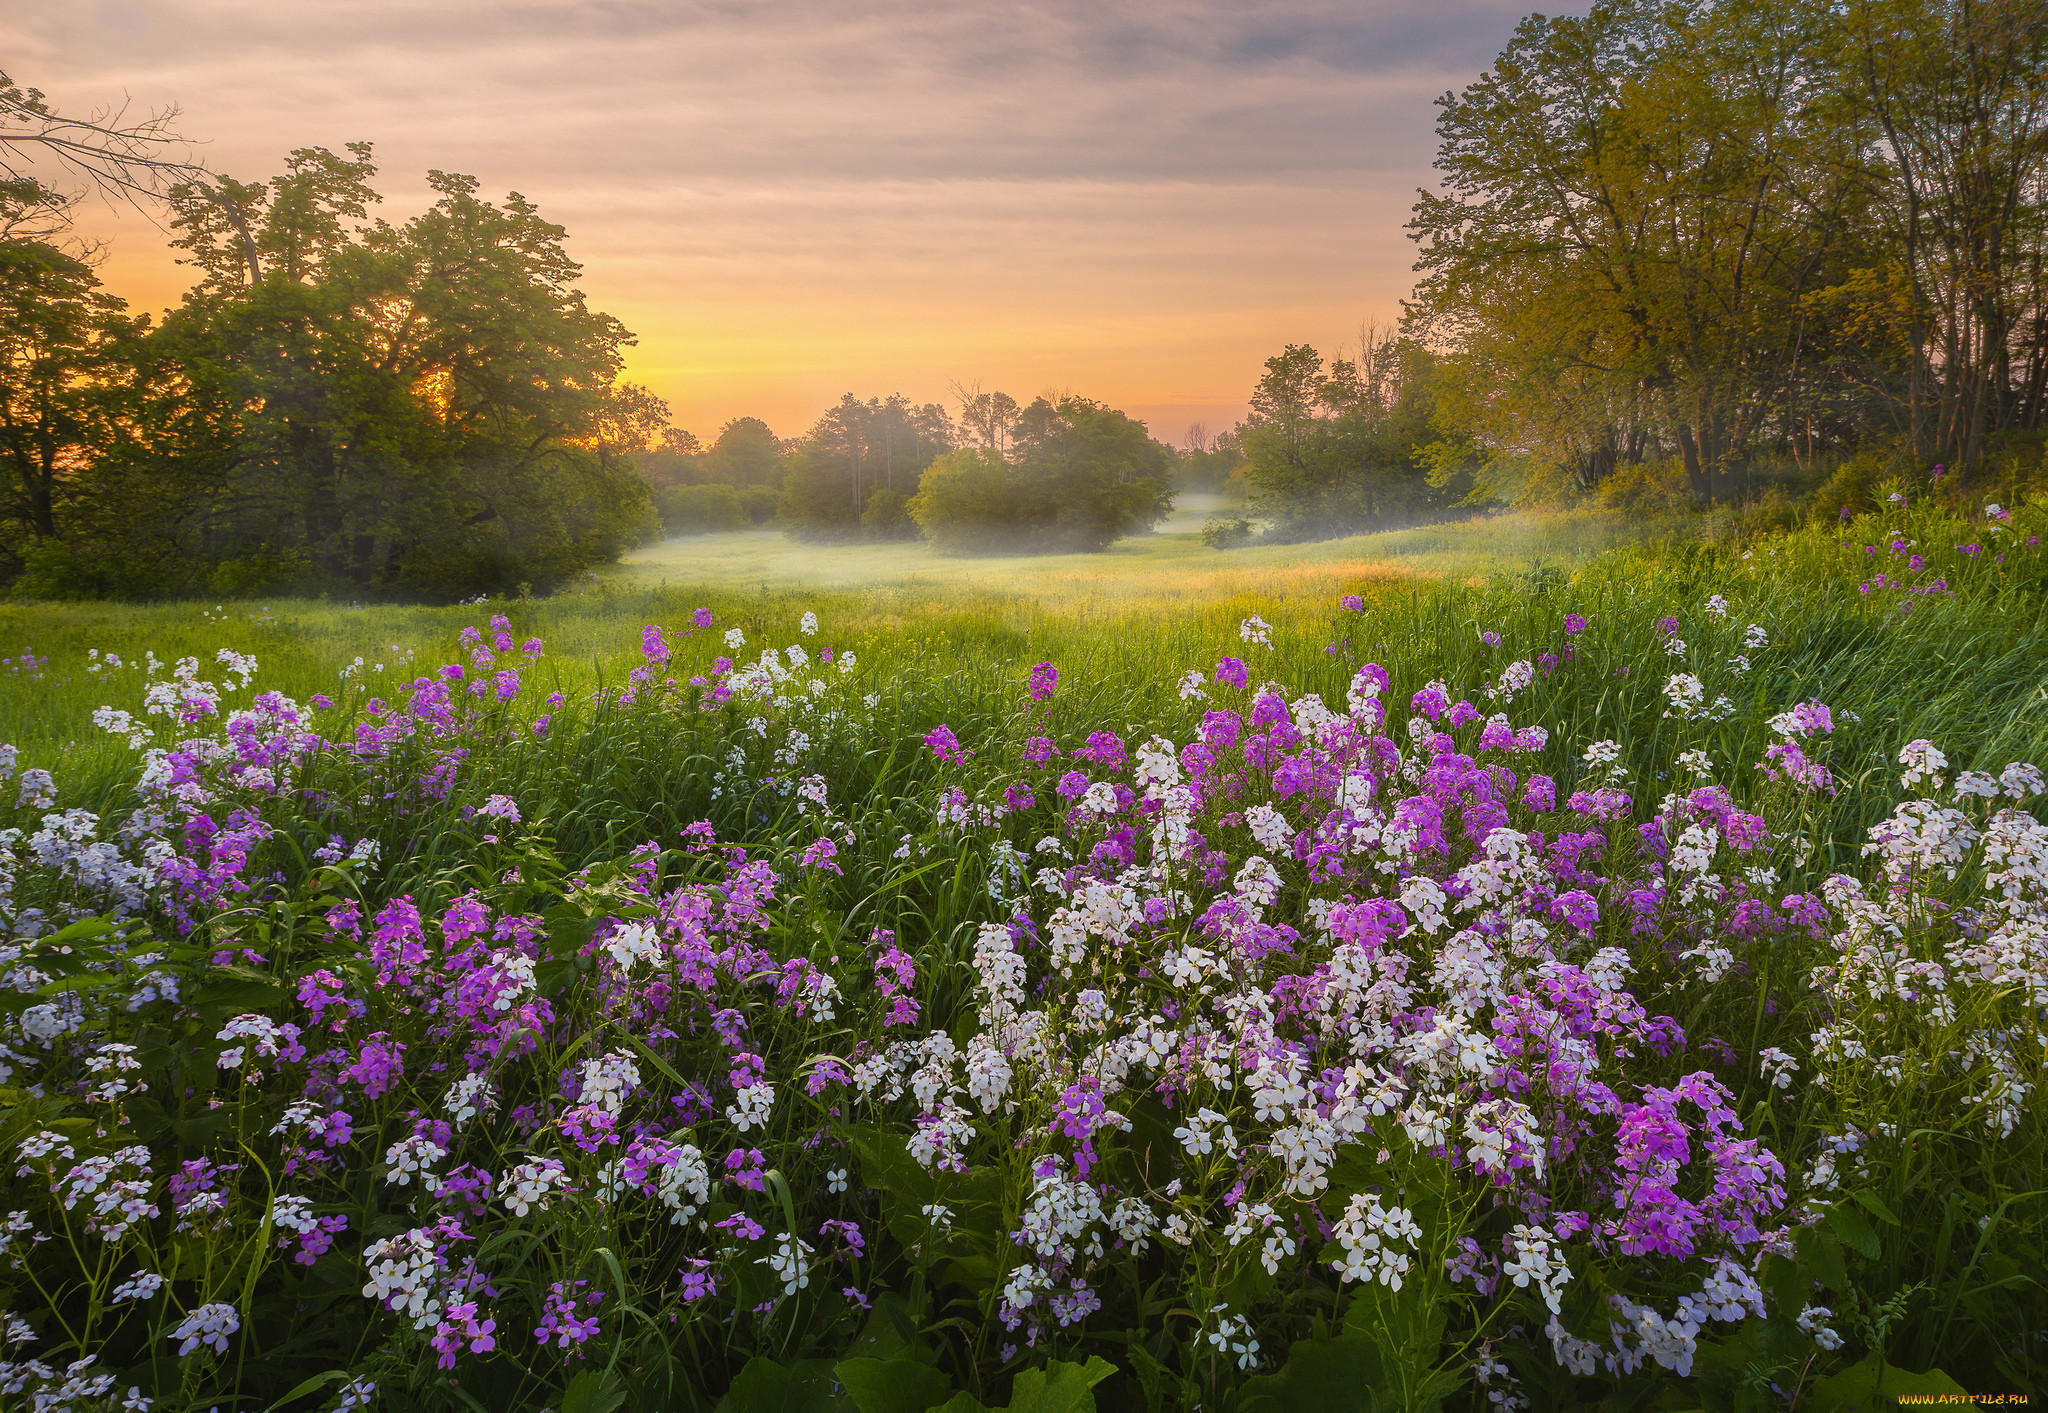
(1713, 230)
(428, 408)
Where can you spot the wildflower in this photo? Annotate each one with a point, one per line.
(209, 1325)
(945, 745)
(1256, 630)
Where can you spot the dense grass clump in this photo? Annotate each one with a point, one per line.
(1620, 984)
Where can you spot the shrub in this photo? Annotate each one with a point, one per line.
(703, 510)
(1226, 531)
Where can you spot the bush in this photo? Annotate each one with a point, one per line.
(887, 517)
(1080, 477)
(759, 503)
(704, 510)
(1646, 488)
(1224, 532)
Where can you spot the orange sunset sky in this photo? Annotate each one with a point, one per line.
(786, 201)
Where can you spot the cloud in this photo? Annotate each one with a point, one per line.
(911, 181)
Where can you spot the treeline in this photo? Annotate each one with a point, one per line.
(337, 404)
(1056, 473)
(1696, 253)
(1713, 237)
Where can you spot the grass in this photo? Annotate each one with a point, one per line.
(1965, 669)
(950, 642)
(1135, 605)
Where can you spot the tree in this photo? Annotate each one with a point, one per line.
(119, 156)
(428, 409)
(857, 468)
(746, 453)
(1080, 475)
(1330, 450)
(61, 378)
(1959, 89)
(1719, 231)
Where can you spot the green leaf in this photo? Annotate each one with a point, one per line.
(1820, 1255)
(765, 1386)
(892, 1385)
(1874, 1387)
(1057, 1388)
(1877, 1208)
(1855, 1230)
(1321, 1376)
(316, 1382)
(890, 1333)
(593, 1391)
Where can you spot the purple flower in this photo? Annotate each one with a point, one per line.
(1352, 603)
(945, 745)
(560, 1324)
(1044, 679)
(654, 644)
(1232, 673)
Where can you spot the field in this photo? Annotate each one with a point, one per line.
(1537, 962)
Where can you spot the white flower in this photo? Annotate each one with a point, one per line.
(533, 1185)
(1813, 1320)
(634, 945)
(143, 1285)
(1256, 630)
(209, 1325)
(1368, 1233)
(808, 624)
(607, 1080)
(835, 1180)
(1923, 761)
(751, 1106)
(1269, 827)
(735, 639)
(789, 1263)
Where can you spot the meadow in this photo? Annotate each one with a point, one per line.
(1541, 962)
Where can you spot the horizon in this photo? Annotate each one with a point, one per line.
(1139, 208)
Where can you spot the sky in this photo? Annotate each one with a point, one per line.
(788, 199)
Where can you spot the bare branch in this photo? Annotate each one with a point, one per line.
(133, 159)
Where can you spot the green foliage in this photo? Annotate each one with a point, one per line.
(1077, 475)
(427, 410)
(857, 468)
(1929, 1254)
(701, 510)
(1723, 232)
(62, 341)
(1331, 451)
(1226, 531)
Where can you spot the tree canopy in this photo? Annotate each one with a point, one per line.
(427, 408)
(1710, 231)
(1072, 474)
